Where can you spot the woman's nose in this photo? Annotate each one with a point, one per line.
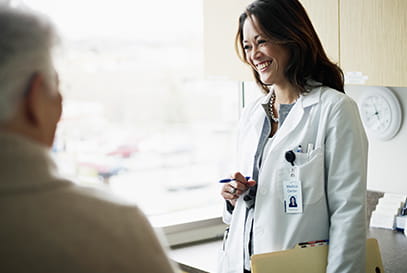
(256, 53)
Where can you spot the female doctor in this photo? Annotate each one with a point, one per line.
(302, 139)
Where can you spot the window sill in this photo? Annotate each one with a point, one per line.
(197, 258)
(197, 231)
(188, 226)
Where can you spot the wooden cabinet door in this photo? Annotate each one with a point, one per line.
(324, 16)
(373, 39)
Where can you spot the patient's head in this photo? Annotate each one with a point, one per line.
(30, 102)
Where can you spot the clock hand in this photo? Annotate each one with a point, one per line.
(376, 112)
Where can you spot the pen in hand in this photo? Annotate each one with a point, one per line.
(231, 179)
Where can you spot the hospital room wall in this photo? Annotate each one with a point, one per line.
(387, 159)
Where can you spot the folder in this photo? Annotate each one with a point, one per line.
(310, 259)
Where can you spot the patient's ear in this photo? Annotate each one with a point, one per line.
(42, 108)
(33, 103)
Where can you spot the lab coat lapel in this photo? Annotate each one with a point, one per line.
(258, 116)
(295, 116)
(291, 122)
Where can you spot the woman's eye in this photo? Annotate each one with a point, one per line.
(261, 41)
(246, 47)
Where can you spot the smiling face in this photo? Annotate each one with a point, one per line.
(268, 58)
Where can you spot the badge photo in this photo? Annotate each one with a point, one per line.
(292, 196)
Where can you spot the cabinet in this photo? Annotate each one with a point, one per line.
(324, 15)
(373, 38)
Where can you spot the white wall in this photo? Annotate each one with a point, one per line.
(387, 159)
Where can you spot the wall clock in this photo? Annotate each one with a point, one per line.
(381, 112)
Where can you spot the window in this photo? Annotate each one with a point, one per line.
(139, 116)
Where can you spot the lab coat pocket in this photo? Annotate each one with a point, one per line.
(311, 175)
(309, 170)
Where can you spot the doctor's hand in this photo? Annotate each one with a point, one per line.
(232, 191)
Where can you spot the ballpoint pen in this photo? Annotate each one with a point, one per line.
(231, 179)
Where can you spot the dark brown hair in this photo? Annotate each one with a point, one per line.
(287, 22)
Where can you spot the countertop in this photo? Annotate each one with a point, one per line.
(393, 248)
(202, 257)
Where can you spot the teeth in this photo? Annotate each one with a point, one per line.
(263, 65)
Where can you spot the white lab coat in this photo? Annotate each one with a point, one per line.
(333, 181)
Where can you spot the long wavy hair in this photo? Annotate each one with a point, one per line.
(287, 23)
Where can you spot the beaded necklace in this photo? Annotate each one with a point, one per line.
(271, 108)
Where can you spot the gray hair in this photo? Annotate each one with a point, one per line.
(26, 43)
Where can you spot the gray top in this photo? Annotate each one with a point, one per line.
(283, 112)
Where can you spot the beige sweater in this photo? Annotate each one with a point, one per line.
(50, 225)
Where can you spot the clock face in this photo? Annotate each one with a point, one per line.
(381, 112)
(376, 113)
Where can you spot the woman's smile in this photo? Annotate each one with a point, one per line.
(263, 66)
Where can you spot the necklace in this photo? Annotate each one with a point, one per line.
(271, 108)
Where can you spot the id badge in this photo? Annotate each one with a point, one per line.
(292, 196)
